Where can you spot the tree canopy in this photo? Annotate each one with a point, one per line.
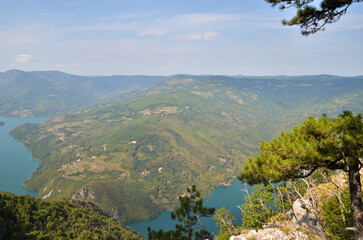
(316, 143)
(189, 214)
(310, 18)
(25, 217)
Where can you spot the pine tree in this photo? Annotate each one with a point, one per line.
(225, 220)
(316, 143)
(312, 19)
(189, 214)
(259, 207)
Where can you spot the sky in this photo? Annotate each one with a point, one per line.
(167, 37)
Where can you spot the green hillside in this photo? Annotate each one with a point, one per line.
(26, 94)
(25, 217)
(134, 157)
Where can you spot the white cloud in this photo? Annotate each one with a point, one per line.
(60, 66)
(77, 64)
(210, 35)
(194, 37)
(191, 37)
(22, 58)
(151, 33)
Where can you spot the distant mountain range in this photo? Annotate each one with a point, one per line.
(43, 93)
(136, 155)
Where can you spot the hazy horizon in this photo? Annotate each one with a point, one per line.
(162, 37)
(177, 74)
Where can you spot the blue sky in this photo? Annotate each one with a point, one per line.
(160, 37)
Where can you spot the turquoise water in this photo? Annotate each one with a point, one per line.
(16, 163)
(224, 196)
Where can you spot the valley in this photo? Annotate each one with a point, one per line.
(134, 156)
(181, 120)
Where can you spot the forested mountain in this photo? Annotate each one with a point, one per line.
(44, 93)
(135, 156)
(25, 217)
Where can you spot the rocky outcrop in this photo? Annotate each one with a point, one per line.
(300, 208)
(116, 214)
(271, 234)
(303, 216)
(313, 223)
(48, 195)
(84, 193)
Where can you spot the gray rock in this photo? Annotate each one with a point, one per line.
(263, 234)
(240, 237)
(84, 193)
(303, 216)
(300, 207)
(313, 222)
(116, 214)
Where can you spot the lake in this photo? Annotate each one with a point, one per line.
(223, 196)
(16, 163)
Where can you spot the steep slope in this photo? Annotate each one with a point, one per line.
(27, 94)
(134, 157)
(25, 217)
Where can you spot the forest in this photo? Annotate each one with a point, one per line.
(25, 217)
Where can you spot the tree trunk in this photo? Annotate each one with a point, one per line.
(355, 189)
(201, 224)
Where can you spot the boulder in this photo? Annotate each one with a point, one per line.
(302, 216)
(301, 207)
(313, 222)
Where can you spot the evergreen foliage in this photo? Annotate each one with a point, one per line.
(312, 19)
(336, 217)
(259, 207)
(225, 221)
(25, 217)
(189, 214)
(316, 143)
(266, 202)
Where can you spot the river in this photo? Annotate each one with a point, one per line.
(16, 163)
(223, 196)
